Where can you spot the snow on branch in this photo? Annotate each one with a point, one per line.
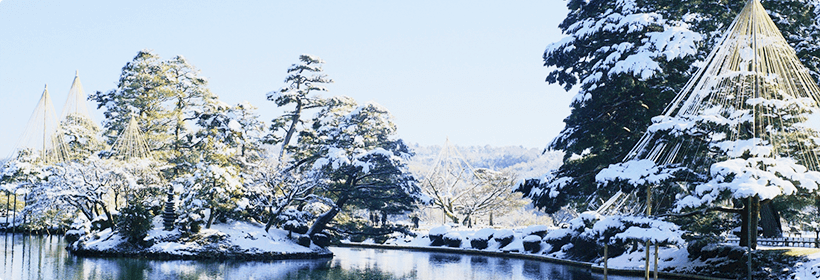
(757, 176)
(635, 172)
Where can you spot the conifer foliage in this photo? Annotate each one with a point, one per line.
(628, 59)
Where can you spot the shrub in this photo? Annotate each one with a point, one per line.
(504, 237)
(135, 222)
(437, 235)
(532, 243)
(452, 239)
(481, 238)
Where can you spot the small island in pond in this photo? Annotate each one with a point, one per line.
(237, 240)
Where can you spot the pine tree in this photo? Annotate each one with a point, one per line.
(305, 79)
(736, 138)
(164, 96)
(356, 159)
(628, 58)
(227, 152)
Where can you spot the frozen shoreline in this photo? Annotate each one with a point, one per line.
(234, 240)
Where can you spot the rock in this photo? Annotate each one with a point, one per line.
(303, 240)
(320, 239)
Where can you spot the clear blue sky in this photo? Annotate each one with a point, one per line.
(467, 70)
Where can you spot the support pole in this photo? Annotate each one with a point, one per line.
(606, 260)
(749, 236)
(14, 218)
(656, 261)
(646, 248)
(648, 243)
(8, 206)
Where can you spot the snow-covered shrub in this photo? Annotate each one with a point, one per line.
(189, 222)
(294, 226)
(573, 240)
(540, 230)
(504, 237)
(532, 243)
(294, 220)
(452, 239)
(436, 235)
(135, 221)
(481, 238)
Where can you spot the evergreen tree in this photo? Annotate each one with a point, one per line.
(227, 151)
(165, 96)
(356, 159)
(305, 79)
(81, 137)
(628, 58)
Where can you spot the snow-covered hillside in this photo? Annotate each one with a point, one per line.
(524, 162)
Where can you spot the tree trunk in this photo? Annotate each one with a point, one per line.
(297, 113)
(770, 221)
(273, 217)
(328, 216)
(749, 217)
(210, 217)
(107, 215)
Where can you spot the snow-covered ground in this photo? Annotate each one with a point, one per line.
(232, 239)
(671, 258)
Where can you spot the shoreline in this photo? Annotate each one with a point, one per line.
(590, 266)
(208, 256)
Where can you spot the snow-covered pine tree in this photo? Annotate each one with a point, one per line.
(305, 79)
(357, 159)
(81, 137)
(628, 58)
(228, 152)
(164, 96)
(737, 137)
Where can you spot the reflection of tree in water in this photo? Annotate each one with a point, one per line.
(558, 272)
(438, 259)
(479, 261)
(533, 270)
(338, 273)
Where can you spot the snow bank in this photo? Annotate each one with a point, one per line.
(232, 240)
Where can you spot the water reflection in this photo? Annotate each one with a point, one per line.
(33, 257)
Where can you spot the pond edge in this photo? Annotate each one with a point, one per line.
(590, 266)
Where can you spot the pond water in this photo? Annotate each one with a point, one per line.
(35, 257)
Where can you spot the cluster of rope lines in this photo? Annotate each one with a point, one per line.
(752, 88)
(43, 130)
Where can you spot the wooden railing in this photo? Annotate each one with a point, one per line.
(809, 242)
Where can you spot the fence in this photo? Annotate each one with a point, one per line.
(809, 242)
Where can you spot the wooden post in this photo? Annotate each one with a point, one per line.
(647, 260)
(749, 236)
(656, 261)
(14, 218)
(606, 260)
(8, 206)
(648, 214)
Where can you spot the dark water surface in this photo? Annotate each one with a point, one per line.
(35, 257)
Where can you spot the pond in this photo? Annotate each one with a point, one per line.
(36, 257)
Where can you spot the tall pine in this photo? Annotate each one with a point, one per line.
(628, 58)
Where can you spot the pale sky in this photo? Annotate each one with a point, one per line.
(468, 70)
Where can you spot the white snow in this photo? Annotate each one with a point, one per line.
(241, 236)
